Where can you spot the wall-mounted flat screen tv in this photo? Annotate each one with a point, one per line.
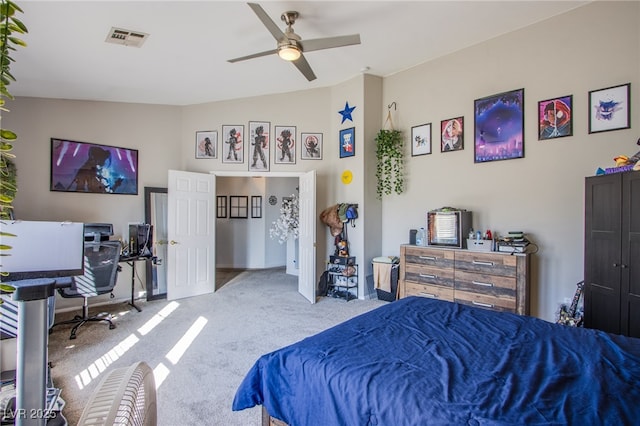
(93, 168)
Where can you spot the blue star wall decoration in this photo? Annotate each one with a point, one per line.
(346, 112)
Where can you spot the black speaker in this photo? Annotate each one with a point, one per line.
(412, 236)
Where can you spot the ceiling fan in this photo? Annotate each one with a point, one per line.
(290, 46)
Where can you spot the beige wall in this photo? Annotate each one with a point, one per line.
(592, 47)
(153, 130)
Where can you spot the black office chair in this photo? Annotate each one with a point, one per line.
(100, 273)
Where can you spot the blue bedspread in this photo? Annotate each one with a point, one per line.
(419, 361)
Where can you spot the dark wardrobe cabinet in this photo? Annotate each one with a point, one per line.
(612, 253)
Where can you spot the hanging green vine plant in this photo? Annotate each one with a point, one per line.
(10, 27)
(390, 161)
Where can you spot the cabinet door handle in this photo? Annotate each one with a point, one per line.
(428, 276)
(482, 284)
(428, 257)
(623, 266)
(615, 265)
(484, 305)
(477, 262)
(430, 295)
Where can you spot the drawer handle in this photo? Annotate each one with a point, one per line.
(482, 284)
(477, 262)
(428, 276)
(484, 305)
(428, 257)
(430, 295)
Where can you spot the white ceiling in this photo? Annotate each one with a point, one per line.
(184, 60)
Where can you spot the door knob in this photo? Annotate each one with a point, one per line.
(173, 242)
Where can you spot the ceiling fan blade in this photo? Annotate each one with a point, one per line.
(329, 42)
(267, 21)
(255, 55)
(304, 67)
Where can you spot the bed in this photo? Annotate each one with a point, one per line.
(421, 361)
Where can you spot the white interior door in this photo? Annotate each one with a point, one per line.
(307, 236)
(191, 257)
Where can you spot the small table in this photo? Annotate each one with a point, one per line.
(131, 261)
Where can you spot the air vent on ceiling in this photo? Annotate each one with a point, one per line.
(126, 37)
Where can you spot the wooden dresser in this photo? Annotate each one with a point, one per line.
(492, 280)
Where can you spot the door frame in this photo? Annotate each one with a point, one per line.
(273, 174)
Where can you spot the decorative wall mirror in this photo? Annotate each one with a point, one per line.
(221, 206)
(155, 213)
(256, 206)
(238, 206)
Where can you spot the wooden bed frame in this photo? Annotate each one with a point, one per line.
(267, 420)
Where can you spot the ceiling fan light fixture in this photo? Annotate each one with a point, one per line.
(289, 53)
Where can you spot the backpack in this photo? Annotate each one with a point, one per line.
(352, 214)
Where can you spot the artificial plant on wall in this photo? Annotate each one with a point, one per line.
(390, 160)
(10, 26)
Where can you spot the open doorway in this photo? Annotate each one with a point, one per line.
(306, 252)
(242, 235)
(243, 239)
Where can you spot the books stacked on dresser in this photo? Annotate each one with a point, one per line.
(513, 242)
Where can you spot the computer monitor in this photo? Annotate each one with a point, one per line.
(41, 249)
(97, 231)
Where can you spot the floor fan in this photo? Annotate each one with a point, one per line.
(126, 396)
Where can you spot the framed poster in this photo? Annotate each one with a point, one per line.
(311, 146)
(610, 108)
(555, 118)
(452, 134)
(347, 141)
(93, 168)
(285, 152)
(207, 144)
(232, 145)
(499, 127)
(259, 134)
(421, 140)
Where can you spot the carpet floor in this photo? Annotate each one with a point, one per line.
(200, 348)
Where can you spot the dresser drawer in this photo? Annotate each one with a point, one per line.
(486, 263)
(429, 257)
(431, 291)
(492, 285)
(505, 304)
(419, 274)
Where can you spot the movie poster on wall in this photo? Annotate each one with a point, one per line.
(93, 168)
(499, 127)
